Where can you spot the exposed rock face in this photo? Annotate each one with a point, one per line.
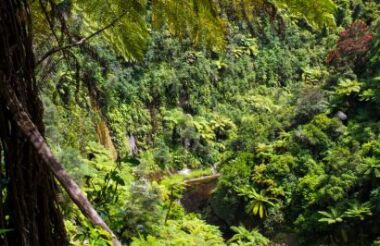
(185, 171)
(342, 116)
(104, 137)
(132, 145)
(198, 192)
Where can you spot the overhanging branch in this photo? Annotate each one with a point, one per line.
(81, 41)
(32, 134)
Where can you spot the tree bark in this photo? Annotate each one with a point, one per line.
(30, 203)
(31, 206)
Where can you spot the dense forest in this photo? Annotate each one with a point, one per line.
(202, 122)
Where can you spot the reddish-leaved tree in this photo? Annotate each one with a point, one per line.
(352, 47)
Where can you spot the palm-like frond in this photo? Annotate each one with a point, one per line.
(358, 210)
(317, 13)
(197, 19)
(204, 21)
(257, 201)
(129, 35)
(243, 236)
(371, 167)
(331, 217)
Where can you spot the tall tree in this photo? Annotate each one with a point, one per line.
(31, 202)
(29, 168)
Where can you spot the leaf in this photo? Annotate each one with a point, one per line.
(3, 231)
(256, 208)
(348, 87)
(377, 172)
(261, 211)
(132, 160)
(324, 213)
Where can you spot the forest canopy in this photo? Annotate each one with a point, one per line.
(202, 122)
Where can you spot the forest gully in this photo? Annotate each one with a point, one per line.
(189, 123)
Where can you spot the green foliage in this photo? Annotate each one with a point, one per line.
(245, 237)
(196, 19)
(370, 167)
(357, 210)
(318, 15)
(331, 217)
(189, 231)
(258, 202)
(225, 201)
(143, 210)
(126, 121)
(129, 35)
(311, 100)
(264, 111)
(348, 87)
(174, 187)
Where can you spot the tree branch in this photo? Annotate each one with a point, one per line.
(81, 41)
(32, 134)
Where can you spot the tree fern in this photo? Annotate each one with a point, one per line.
(246, 237)
(204, 21)
(129, 35)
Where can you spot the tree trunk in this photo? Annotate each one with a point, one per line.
(30, 208)
(31, 200)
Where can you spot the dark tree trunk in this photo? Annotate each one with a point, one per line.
(30, 208)
(31, 201)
